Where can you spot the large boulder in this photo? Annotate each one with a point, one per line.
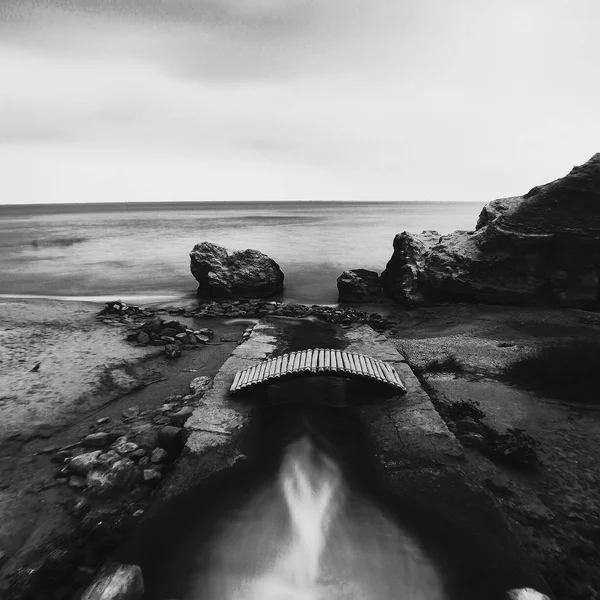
(234, 274)
(359, 285)
(542, 248)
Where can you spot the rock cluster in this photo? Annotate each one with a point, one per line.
(236, 274)
(113, 472)
(149, 329)
(250, 309)
(359, 285)
(542, 248)
(261, 308)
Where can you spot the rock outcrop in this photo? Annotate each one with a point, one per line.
(237, 274)
(359, 285)
(542, 248)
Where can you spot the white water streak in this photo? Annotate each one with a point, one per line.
(308, 538)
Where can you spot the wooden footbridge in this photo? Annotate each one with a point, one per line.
(314, 362)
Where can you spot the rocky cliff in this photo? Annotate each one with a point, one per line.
(542, 248)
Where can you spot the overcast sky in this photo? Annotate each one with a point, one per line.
(143, 100)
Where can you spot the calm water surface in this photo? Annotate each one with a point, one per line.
(121, 250)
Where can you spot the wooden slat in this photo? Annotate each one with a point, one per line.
(346, 362)
(244, 378)
(352, 362)
(361, 362)
(262, 371)
(314, 362)
(321, 366)
(378, 371)
(236, 379)
(370, 367)
(278, 366)
(253, 374)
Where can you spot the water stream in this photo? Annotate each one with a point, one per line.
(308, 536)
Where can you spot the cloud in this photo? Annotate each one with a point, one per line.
(337, 99)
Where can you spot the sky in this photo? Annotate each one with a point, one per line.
(383, 100)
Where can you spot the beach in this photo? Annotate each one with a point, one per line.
(63, 370)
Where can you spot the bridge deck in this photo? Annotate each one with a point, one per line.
(319, 360)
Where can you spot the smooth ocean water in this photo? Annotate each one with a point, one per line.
(142, 250)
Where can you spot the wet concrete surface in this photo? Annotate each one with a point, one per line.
(393, 450)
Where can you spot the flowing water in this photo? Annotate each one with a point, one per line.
(307, 536)
(140, 252)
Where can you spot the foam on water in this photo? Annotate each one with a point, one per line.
(309, 537)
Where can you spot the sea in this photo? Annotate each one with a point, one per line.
(139, 252)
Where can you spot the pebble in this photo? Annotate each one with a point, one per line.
(152, 475)
(125, 447)
(158, 455)
(84, 463)
(131, 413)
(77, 482)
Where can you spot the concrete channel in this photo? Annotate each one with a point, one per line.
(394, 448)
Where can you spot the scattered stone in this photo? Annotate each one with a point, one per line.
(84, 463)
(137, 454)
(143, 338)
(95, 440)
(61, 456)
(132, 412)
(474, 440)
(205, 331)
(116, 582)
(145, 435)
(152, 475)
(81, 507)
(359, 285)
(170, 437)
(158, 455)
(77, 482)
(101, 483)
(125, 447)
(161, 420)
(172, 351)
(144, 461)
(200, 385)
(103, 420)
(181, 416)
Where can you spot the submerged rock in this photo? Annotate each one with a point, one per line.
(359, 285)
(542, 248)
(242, 273)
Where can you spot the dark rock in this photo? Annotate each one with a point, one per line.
(181, 416)
(172, 351)
(158, 455)
(145, 435)
(170, 437)
(359, 285)
(84, 463)
(542, 248)
(96, 440)
(143, 338)
(152, 475)
(246, 273)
